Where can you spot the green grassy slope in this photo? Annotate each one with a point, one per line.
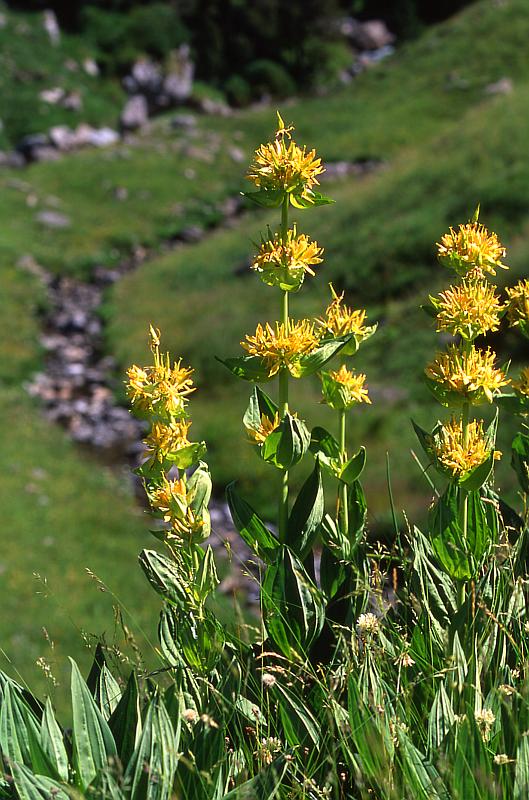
(447, 145)
(29, 64)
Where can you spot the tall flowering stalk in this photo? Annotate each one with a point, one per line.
(286, 175)
(461, 378)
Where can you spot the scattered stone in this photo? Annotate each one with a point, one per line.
(52, 96)
(103, 137)
(51, 26)
(3, 21)
(210, 106)
(189, 173)
(53, 219)
(192, 234)
(145, 78)
(369, 35)
(178, 82)
(503, 86)
(29, 144)
(71, 65)
(236, 154)
(183, 121)
(121, 193)
(63, 138)
(135, 113)
(45, 153)
(90, 67)
(72, 101)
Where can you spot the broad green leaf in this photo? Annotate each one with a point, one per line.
(440, 720)
(447, 536)
(92, 740)
(265, 784)
(249, 368)
(521, 775)
(314, 361)
(164, 577)
(53, 741)
(306, 515)
(150, 772)
(474, 480)
(185, 457)
(266, 198)
(357, 511)
(35, 787)
(310, 199)
(251, 528)
(293, 605)
(353, 468)
(324, 442)
(299, 724)
(260, 405)
(421, 779)
(520, 460)
(125, 722)
(287, 444)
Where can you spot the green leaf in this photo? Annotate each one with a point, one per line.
(475, 479)
(185, 457)
(422, 780)
(92, 740)
(324, 442)
(353, 468)
(35, 787)
(328, 348)
(265, 784)
(287, 445)
(260, 405)
(309, 200)
(447, 536)
(300, 727)
(293, 606)
(151, 770)
(357, 512)
(306, 515)
(53, 742)
(441, 719)
(125, 722)
(521, 775)
(164, 577)
(249, 368)
(424, 439)
(520, 460)
(251, 528)
(266, 198)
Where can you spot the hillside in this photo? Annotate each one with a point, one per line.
(445, 134)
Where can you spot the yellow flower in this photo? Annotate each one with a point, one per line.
(470, 374)
(285, 265)
(521, 386)
(171, 500)
(260, 435)
(282, 165)
(470, 309)
(343, 389)
(165, 439)
(455, 455)
(518, 306)
(160, 389)
(340, 320)
(283, 347)
(471, 248)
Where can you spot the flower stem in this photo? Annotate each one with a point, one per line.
(464, 504)
(283, 390)
(342, 491)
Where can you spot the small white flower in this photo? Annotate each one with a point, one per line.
(190, 715)
(502, 758)
(268, 680)
(368, 623)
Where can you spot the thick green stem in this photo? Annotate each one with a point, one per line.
(342, 491)
(283, 390)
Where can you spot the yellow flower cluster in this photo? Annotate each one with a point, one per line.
(471, 249)
(283, 346)
(285, 264)
(459, 454)
(469, 373)
(342, 389)
(159, 390)
(470, 309)
(172, 500)
(340, 319)
(518, 304)
(164, 439)
(283, 166)
(267, 426)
